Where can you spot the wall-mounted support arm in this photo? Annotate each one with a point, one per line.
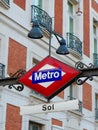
(87, 72)
(12, 81)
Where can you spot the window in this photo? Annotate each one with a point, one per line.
(96, 101)
(34, 61)
(37, 3)
(95, 43)
(73, 92)
(95, 38)
(35, 126)
(96, 106)
(2, 71)
(2, 55)
(71, 19)
(0, 49)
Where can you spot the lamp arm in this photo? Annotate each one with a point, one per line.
(57, 35)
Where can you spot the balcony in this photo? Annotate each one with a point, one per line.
(74, 44)
(42, 17)
(96, 114)
(95, 59)
(45, 21)
(80, 104)
(2, 71)
(5, 3)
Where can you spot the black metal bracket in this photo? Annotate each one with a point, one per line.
(86, 72)
(12, 81)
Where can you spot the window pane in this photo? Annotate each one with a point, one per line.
(94, 29)
(34, 2)
(70, 8)
(71, 92)
(35, 61)
(40, 3)
(37, 3)
(96, 101)
(71, 25)
(95, 45)
(34, 126)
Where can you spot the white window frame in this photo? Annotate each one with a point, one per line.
(96, 100)
(36, 2)
(95, 36)
(73, 91)
(32, 124)
(3, 49)
(54, 127)
(71, 15)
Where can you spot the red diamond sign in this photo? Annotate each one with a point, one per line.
(49, 77)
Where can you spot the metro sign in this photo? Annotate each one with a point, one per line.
(49, 77)
(46, 75)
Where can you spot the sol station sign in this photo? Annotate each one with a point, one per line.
(50, 107)
(49, 77)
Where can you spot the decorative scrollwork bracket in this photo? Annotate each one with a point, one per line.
(12, 81)
(86, 72)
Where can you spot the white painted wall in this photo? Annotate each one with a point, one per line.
(17, 27)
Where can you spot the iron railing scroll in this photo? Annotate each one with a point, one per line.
(95, 59)
(42, 17)
(12, 81)
(74, 43)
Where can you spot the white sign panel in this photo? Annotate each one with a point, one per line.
(50, 107)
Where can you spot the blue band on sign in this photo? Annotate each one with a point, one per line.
(46, 75)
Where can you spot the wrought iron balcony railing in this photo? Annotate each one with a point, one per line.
(80, 104)
(42, 17)
(2, 71)
(5, 1)
(74, 43)
(96, 114)
(45, 21)
(95, 59)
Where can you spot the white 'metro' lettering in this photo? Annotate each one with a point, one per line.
(48, 75)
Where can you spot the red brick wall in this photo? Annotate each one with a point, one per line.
(95, 5)
(16, 56)
(20, 3)
(13, 118)
(58, 16)
(86, 27)
(57, 122)
(87, 96)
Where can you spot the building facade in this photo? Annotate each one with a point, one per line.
(77, 22)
